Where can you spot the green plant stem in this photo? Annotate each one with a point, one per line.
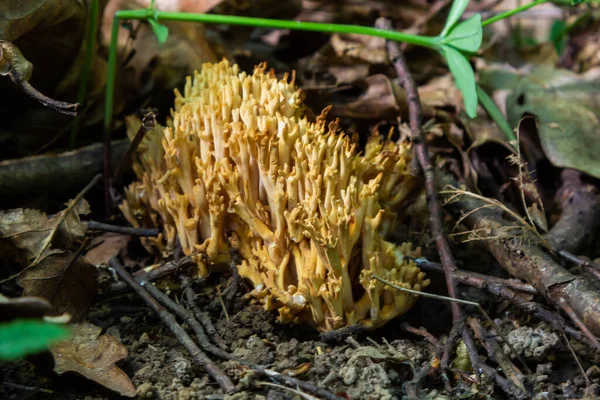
(494, 112)
(510, 13)
(143, 14)
(93, 17)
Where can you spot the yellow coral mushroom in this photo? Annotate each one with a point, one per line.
(311, 212)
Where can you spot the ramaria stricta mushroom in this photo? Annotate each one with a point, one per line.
(311, 212)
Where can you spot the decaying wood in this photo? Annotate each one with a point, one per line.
(524, 259)
(55, 173)
(580, 219)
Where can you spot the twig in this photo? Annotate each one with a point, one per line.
(340, 335)
(19, 69)
(497, 354)
(420, 148)
(477, 280)
(524, 259)
(197, 354)
(60, 106)
(188, 318)
(152, 275)
(284, 388)
(148, 123)
(461, 301)
(579, 221)
(566, 307)
(305, 386)
(54, 173)
(453, 336)
(482, 368)
(202, 316)
(64, 214)
(126, 230)
(585, 264)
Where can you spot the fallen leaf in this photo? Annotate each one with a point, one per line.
(106, 246)
(365, 48)
(34, 234)
(377, 101)
(567, 108)
(52, 35)
(65, 279)
(23, 337)
(94, 356)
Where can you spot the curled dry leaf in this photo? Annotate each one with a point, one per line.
(377, 101)
(106, 246)
(33, 234)
(94, 356)
(65, 279)
(369, 49)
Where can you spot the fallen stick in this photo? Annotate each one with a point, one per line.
(579, 221)
(57, 172)
(197, 354)
(524, 259)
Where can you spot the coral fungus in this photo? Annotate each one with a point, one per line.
(311, 212)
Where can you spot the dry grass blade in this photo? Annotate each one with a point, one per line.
(61, 218)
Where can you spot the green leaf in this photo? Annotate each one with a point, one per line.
(576, 2)
(558, 35)
(23, 337)
(464, 76)
(467, 35)
(457, 10)
(160, 31)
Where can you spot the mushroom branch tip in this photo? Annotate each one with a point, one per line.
(241, 154)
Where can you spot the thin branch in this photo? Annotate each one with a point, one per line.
(125, 230)
(148, 123)
(202, 316)
(197, 354)
(189, 319)
(305, 386)
(476, 279)
(585, 264)
(566, 307)
(151, 274)
(422, 153)
(19, 69)
(64, 214)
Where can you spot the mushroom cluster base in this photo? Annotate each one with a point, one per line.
(310, 212)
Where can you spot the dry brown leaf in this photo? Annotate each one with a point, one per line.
(93, 356)
(33, 234)
(369, 49)
(51, 34)
(378, 101)
(106, 246)
(151, 68)
(65, 279)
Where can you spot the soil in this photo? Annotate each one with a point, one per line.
(372, 366)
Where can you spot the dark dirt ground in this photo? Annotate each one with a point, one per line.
(371, 366)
